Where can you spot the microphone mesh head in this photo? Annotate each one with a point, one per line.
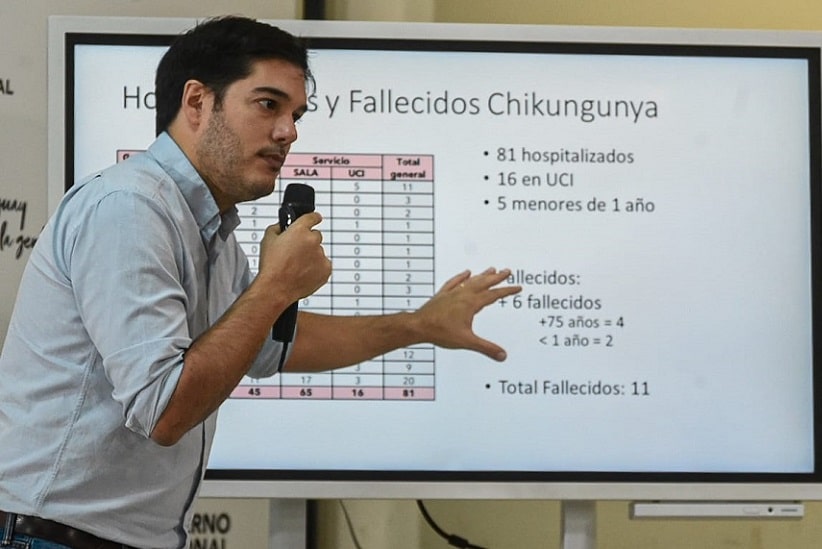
(299, 193)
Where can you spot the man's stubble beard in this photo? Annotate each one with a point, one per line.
(220, 155)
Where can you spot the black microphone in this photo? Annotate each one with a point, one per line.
(298, 199)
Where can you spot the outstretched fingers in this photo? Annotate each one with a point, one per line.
(485, 285)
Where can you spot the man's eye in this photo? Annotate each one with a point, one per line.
(269, 104)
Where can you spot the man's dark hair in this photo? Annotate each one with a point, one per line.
(218, 52)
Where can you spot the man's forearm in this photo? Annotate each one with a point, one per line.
(216, 362)
(325, 342)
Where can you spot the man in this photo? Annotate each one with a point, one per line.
(137, 314)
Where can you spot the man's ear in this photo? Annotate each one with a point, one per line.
(195, 101)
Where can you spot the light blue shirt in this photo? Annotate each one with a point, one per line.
(134, 265)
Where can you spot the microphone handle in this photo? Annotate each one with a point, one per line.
(283, 329)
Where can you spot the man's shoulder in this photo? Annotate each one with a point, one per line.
(139, 174)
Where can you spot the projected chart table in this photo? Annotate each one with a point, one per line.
(378, 229)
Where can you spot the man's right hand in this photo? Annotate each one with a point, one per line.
(294, 260)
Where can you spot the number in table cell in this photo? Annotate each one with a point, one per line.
(410, 277)
(350, 305)
(356, 237)
(369, 368)
(360, 186)
(357, 264)
(393, 251)
(408, 225)
(409, 380)
(410, 238)
(409, 200)
(403, 290)
(356, 212)
(297, 392)
(397, 304)
(423, 353)
(407, 187)
(358, 393)
(357, 225)
(256, 391)
(358, 380)
(409, 264)
(408, 393)
(250, 248)
(249, 235)
(248, 210)
(354, 289)
(358, 199)
(357, 277)
(407, 212)
(305, 379)
(409, 368)
(358, 250)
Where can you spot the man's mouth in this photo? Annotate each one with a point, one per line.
(275, 161)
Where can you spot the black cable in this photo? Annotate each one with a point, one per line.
(283, 354)
(452, 539)
(350, 526)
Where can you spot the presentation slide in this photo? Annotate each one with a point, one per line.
(653, 203)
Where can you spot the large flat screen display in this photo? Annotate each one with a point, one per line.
(656, 194)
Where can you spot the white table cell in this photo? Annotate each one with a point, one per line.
(357, 225)
(397, 304)
(409, 380)
(250, 248)
(409, 354)
(357, 199)
(358, 250)
(356, 237)
(354, 289)
(405, 264)
(407, 212)
(312, 379)
(409, 200)
(406, 368)
(417, 239)
(368, 368)
(268, 210)
(409, 277)
(356, 264)
(393, 251)
(356, 212)
(352, 304)
(249, 235)
(358, 186)
(321, 185)
(408, 225)
(354, 276)
(391, 291)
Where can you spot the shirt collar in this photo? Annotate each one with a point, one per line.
(195, 191)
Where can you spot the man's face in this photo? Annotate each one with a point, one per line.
(244, 141)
